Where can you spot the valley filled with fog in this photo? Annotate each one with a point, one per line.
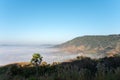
(23, 53)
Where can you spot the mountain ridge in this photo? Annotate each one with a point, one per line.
(108, 44)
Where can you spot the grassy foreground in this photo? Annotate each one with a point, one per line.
(79, 69)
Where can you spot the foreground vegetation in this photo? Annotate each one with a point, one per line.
(78, 69)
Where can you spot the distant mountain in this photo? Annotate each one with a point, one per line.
(109, 44)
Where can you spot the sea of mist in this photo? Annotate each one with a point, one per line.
(23, 53)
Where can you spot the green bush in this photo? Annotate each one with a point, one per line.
(83, 69)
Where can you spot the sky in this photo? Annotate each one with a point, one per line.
(56, 21)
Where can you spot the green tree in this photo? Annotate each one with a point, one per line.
(36, 59)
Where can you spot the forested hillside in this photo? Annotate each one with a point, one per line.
(82, 68)
(93, 44)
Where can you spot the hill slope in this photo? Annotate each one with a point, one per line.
(78, 69)
(93, 44)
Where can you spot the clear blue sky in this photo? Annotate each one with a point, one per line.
(56, 21)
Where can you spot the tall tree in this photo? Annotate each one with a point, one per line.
(36, 61)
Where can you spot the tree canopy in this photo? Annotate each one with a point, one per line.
(36, 59)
